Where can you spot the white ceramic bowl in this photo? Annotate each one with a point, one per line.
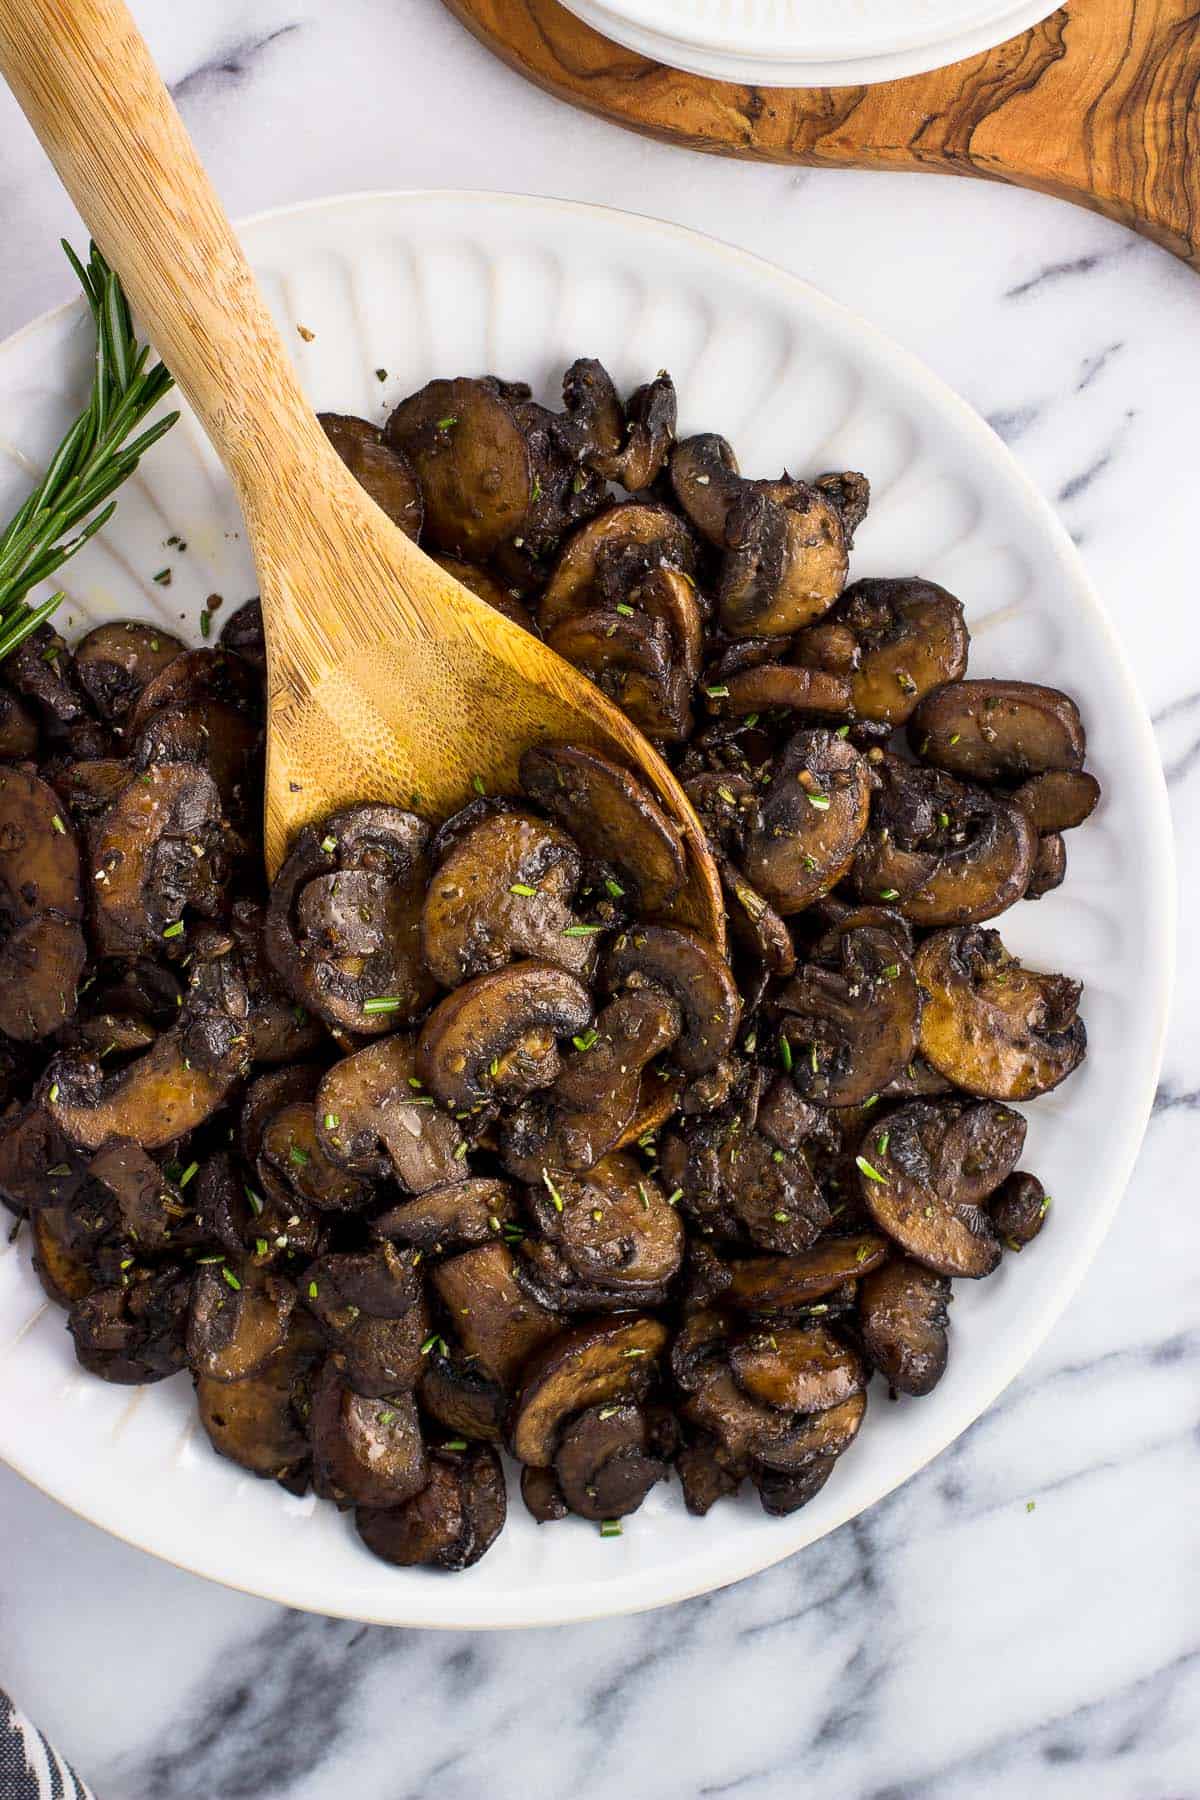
(419, 284)
(788, 43)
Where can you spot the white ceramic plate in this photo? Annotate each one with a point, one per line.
(764, 60)
(419, 284)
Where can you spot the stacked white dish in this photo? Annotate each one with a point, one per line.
(810, 43)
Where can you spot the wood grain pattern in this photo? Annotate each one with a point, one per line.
(386, 679)
(1098, 104)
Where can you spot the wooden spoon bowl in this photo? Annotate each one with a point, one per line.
(387, 680)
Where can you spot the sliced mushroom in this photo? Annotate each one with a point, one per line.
(163, 847)
(735, 1183)
(542, 1495)
(754, 924)
(908, 637)
(133, 1333)
(914, 1194)
(998, 730)
(1049, 866)
(496, 1317)
(258, 1422)
(114, 663)
(1018, 1210)
(1058, 799)
(366, 1450)
(591, 1365)
(154, 1213)
(627, 444)
(851, 1029)
(751, 1433)
(606, 1463)
(681, 964)
(42, 950)
(991, 1026)
(607, 1235)
(458, 1394)
(242, 633)
(266, 1220)
(980, 1148)
(39, 1165)
(451, 1218)
(703, 1475)
(943, 852)
(18, 729)
(504, 890)
(172, 1088)
(58, 1262)
(611, 817)
(777, 685)
(496, 1036)
(794, 1370)
(291, 1148)
(599, 1091)
(343, 924)
(810, 821)
(451, 1523)
(783, 1493)
(280, 1031)
(902, 1312)
(783, 1284)
(375, 1118)
(237, 1321)
(381, 468)
(473, 465)
(635, 539)
(850, 492)
(369, 1307)
(628, 656)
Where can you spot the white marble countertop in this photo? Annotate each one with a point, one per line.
(954, 1641)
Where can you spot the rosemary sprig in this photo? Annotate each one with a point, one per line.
(91, 462)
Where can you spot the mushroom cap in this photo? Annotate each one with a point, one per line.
(998, 730)
(681, 964)
(611, 816)
(811, 817)
(914, 1195)
(496, 1035)
(991, 1026)
(902, 1312)
(590, 1365)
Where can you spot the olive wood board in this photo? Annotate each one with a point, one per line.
(1097, 104)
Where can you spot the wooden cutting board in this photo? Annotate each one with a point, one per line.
(1099, 104)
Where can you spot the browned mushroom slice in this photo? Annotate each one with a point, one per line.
(754, 924)
(42, 951)
(497, 1319)
(669, 596)
(486, 587)
(542, 1495)
(381, 468)
(39, 1165)
(342, 926)
(472, 462)
(611, 817)
(598, 1092)
(451, 1218)
(18, 729)
(114, 663)
(1018, 1210)
(915, 1197)
(291, 1147)
(134, 1333)
(280, 1031)
(267, 1095)
(628, 444)
(606, 1462)
(366, 1450)
(749, 1431)
(266, 1220)
(504, 890)
(153, 1211)
(706, 481)
(451, 1523)
(779, 685)
(160, 849)
(42, 672)
(89, 788)
(238, 1319)
(628, 658)
(1058, 799)
(683, 965)
(610, 1231)
(998, 730)
(991, 1026)
(242, 633)
(909, 637)
(58, 1261)
(851, 1029)
(782, 1284)
(902, 1313)
(785, 560)
(258, 1422)
(461, 1397)
(703, 1474)
(634, 537)
(793, 1370)
(1049, 866)
(496, 1037)
(173, 1087)
(370, 1309)
(608, 1360)
(981, 1147)
(737, 1184)
(785, 1492)
(200, 677)
(810, 821)
(850, 492)
(943, 852)
(375, 1118)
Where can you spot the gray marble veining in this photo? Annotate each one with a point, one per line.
(1022, 1620)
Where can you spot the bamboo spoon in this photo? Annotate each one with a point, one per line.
(385, 676)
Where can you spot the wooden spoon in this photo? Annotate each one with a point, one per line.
(386, 678)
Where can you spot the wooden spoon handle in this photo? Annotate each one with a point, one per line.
(85, 78)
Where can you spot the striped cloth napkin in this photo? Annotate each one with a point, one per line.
(30, 1768)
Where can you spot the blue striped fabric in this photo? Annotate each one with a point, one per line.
(30, 1769)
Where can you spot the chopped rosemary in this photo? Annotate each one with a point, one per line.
(552, 1191)
(175, 930)
(870, 1173)
(523, 888)
(188, 1174)
(820, 801)
(610, 1528)
(785, 1053)
(382, 1003)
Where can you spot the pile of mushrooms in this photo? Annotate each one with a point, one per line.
(457, 1139)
